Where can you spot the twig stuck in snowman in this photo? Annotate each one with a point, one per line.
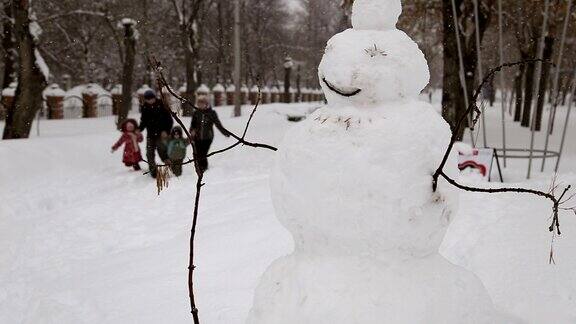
(373, 52)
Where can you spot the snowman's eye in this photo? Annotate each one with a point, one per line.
(375, 51)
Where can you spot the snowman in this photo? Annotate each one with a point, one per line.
(353, 185)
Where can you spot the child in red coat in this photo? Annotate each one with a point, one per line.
(130, 139)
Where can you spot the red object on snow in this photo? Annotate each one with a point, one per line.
(474, 165)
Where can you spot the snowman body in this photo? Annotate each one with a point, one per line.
(353, 185)
(306, 289)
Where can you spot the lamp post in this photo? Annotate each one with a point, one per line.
(130, 37)
(288, 65)
(67, 80)
(237, 60)
(298, 84)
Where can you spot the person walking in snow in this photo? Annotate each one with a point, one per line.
(157, 122)
(177, 150)
(202, 130)
(130, 139)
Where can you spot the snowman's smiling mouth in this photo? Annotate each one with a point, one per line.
(343, 93)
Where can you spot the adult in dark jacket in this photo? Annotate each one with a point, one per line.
(157, 122)
(202, 130)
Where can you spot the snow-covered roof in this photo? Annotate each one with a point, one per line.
(53, 90)
(254, 89)
(143, 89)
(73, 97)
(10, 91)
(91, 88)
(275, 90)
(218, 88)
(265, 89)
(244, 89)
(231, 88)
(203, 89)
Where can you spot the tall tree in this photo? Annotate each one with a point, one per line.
(453, 99)
(8, 46)
(128, 69)
(32, 73)
(189, 14)
(544, 80)
(527, 34)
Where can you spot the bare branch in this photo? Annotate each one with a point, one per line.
(162, 83)
(72, 13)
(56, 60)
(117, 37)
(472, 108)
(557, 202)
(178, 12)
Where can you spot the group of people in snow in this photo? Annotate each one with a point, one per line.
(165, 139)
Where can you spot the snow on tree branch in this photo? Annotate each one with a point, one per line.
(73, 13)
(41, 64)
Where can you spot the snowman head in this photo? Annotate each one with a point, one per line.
(372, 63)
(376, 14)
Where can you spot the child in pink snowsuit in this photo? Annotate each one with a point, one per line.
(130, 139)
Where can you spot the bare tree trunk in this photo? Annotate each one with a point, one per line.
(237, 60)
(127, 72)
(9, 48)
(191, 43)
(345, 22)
(528, 95)
(261, 77)
(86, 74)
(565, 91)
(221, 50)
(519, 93)
(453, 103)
(32, 81)
(287, 79)
(548, 48)
(145, 41)
(453, 100)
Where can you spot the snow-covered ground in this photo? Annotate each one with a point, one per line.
(84, 240)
